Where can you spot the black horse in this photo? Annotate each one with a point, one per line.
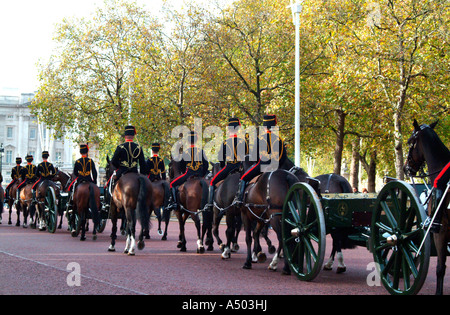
(426, 147)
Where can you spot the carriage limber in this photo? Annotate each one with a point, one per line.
(390, 224)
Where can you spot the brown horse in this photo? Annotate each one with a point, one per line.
(132, 195)
(161, 191)
(426, 147)
(192, 199)
(2, 198)
(86, 202)
(14, 202)
(24, 203)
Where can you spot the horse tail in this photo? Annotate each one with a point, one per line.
(205, 192)
(141, 207)
(291, 180)
(93, 206)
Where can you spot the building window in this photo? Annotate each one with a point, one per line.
(32, 133)
(9, 132)
(9, 156)
(10, 117)
(32, 154)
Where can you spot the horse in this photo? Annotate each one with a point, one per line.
(161, 192)
(192, 199)
(425, 147)
(25, 204)
(132, 195)
(87, 198)
(2, 198)
(223, 204)
(41, 191)
(14, 202)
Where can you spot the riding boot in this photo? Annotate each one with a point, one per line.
(173, 199)
(436, 225)
(239, 199)
(210, 204)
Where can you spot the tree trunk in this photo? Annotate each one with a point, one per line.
(339, 147)
(354, 167)
(371, 170)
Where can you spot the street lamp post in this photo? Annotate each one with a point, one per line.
(296, 10)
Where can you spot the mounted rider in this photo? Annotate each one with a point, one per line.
(155, 165)
(231, 154)
(194, 163)
(28, 174)
(16, 175)
(270, 155)
(128, 156)
(45, 171)
(84, 170)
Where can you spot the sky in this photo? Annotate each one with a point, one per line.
(26, 31)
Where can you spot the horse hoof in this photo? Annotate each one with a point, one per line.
(247, 266)
(111, 248)
(82, 239)
(272, 249)
(131, 253)
(341, 269)
(94, 238)
(261, 257)
(183, 249)
(272, 268)
(210, 248)
(160, 233)
(9, 223)
(286, 272)
(17, 224)
(164, 238)
(73, 233)
(25, 226)
(235, 248)
(140, 245)
(125, 251)
(179, 245)
(200, 250)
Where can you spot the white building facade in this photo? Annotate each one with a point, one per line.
(22, 134)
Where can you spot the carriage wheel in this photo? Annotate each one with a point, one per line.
(396, 236)
(50, 210)
(303, 231)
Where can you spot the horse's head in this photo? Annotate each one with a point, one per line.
(416, 154)
(109, 168)
(174, 169)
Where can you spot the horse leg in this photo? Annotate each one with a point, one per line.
(113, 235)
(217, 218)
(83, 225)
(159, 217)
(275, 222)
(260, 255)
(441, 247)
(248, 241)
(200, 247)
(238, 227)
(131, 233)
(60, 222)
(181, 238)
(229, 234)
(207, 229)
(166, 220)
(265, 232)
(10, 213)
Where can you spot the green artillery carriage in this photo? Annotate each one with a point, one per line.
(389, 224)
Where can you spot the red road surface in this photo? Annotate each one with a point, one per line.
(34, 262)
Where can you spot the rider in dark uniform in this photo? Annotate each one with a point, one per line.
(194, 162)
(28, 174)
(271, 154)
(155, 165)
(129, 155)
(84, 169)
(231, 155)
(16, 174)
(45, 171)
(440, 184)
